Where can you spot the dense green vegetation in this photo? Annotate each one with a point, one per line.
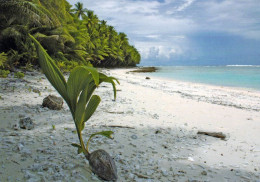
(71, 36)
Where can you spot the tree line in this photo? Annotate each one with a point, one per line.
(72, 36)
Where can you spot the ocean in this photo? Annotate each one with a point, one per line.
(246, 76)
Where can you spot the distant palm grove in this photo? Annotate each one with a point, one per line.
(72, 36)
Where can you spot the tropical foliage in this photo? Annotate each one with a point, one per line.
(71, 36)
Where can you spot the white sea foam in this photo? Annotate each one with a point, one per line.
(238, 65)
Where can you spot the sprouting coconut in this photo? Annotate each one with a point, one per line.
(103, 165)
(77, 92)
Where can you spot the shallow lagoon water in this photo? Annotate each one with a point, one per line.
(231, 76)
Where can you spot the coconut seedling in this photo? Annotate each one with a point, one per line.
(77, 92)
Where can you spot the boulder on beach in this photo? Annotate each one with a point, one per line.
(53, 102)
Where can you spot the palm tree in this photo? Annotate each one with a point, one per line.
(79, 10)
(26, 12)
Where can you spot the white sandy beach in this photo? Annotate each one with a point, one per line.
(161, 144)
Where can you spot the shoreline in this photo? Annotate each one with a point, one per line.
(156, 68)
(157, 139)
(246, 89)
(189, 89)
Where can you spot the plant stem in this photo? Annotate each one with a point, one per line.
(88, 143)
(85, 151)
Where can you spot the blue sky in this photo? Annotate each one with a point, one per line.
(186, 32)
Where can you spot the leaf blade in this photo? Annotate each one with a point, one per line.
(50, 70)
(91, 107)
(77, 80)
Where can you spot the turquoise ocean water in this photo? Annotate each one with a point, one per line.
(231, 76)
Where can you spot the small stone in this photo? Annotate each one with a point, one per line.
(204, 173)
(16, 127)
(20, 146)
(147, 78)
(158, 131)
(190, 159)
(36, 91)
(134, 137)
(26, 123)
(21, 115)
(164, 172)
(53, 102)
(155, 116)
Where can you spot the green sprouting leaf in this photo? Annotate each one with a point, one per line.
(78, 78)
(84, 115)
(80, 108)
(80, 150)
(77, 146)
(51, 71)
(104, 78)
(107, 134)
(94, 73)
(92, 106)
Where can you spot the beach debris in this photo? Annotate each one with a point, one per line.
(190, 159)
(134, 137)
(36, 91)
(26, 123)
(158, 131)
(118, 126)
(142, 176)
(112, 112)
(16, 126)
(147, 78)
(103, 165)
(145, 70)
(204, 173)
(220, 135)
(155, 116)
(53, 102)
(164, 172)
(21, 116)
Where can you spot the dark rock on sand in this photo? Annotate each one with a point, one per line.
(53, 102)
(26, 123)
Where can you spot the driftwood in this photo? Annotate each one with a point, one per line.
(142, 176)
(111, 112)
(220, 135)
(118, 126)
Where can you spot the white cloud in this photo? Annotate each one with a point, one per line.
(185, 5)
(238, 17)
(162, 29)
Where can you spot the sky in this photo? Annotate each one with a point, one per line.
(186, 32)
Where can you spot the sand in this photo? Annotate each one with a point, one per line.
(155, 124)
